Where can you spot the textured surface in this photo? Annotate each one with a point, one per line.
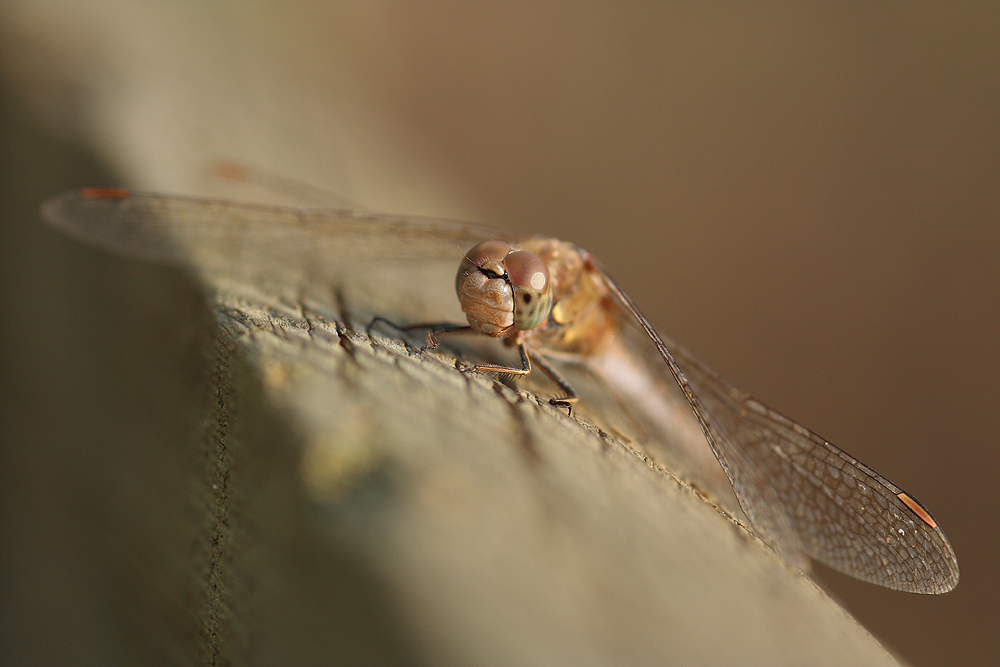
(503, 531)
(257, 486)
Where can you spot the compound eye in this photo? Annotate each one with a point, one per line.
(529, 276)
(487, 253)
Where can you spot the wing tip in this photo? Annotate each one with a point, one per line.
(53, 209)
(100, 192)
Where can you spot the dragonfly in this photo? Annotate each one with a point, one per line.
(549, 300)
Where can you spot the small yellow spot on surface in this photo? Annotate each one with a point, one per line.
(276, 374)
(329, 468)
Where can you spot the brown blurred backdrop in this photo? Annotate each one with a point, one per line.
(806, 195)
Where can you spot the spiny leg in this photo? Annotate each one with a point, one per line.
(433, 329)
(569, 394)
(564, 401)
(525, 368)
(444, 329)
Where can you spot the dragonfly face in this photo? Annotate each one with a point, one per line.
(802, 494)
(501, 289)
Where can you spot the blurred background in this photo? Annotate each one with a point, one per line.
(806, 195)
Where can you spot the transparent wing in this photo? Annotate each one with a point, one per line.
(802, 494)
(401, 266)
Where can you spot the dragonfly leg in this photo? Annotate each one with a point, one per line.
(525, 368)
(564, 401)
(443, 329)
(378, 319)
(569, 394)
(433, 329)
(527, 354)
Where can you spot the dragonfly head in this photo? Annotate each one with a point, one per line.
(500, 288)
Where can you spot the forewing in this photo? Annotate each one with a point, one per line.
(803, 494)
(396, 267)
